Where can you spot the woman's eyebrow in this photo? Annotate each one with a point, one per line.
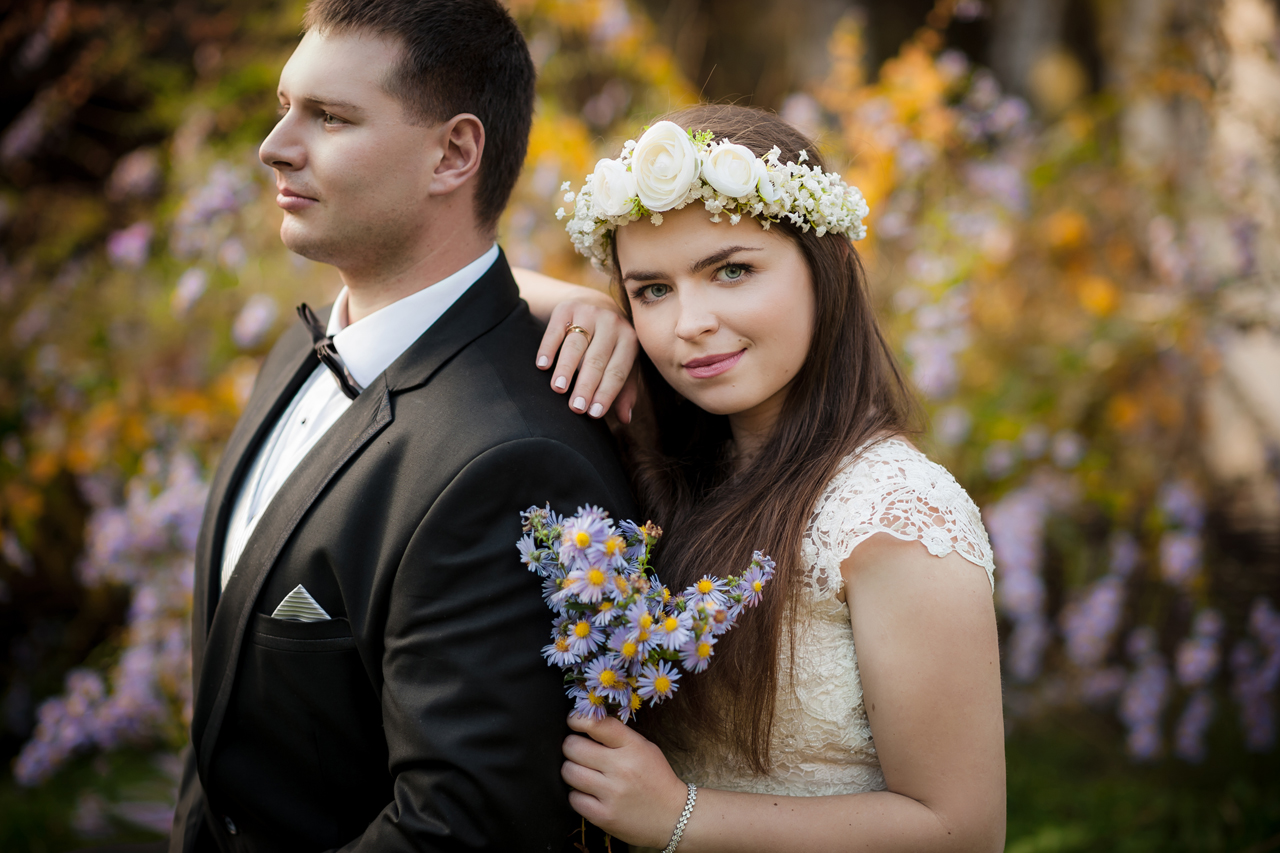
(723, 254)
(695, 267)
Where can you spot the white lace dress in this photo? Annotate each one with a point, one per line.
(822, 741)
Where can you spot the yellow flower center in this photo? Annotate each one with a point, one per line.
(704, 650)
(670, 624)
(562, 644)
(705, 586)
(582, 539)
(644, 634)
(595, 577)
(757, 585)
(582, 629)
(646, 622)
(666, 595)
(629, 649)
(613, 545)
(620, 582)
(661, 684)
(608, 677)
(606, 605)
(635, 701)
(594, 698)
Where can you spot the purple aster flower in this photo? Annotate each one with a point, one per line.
(696, 654)
(658, 681)
(708, 590)
(559, 651)
(627, 649)
(582, 544)
(752, 586)
(606, 613)
(607, 676)
(584, 637)
(589, 704)
(640, 626)
(529, 554)
(590, 584)
(672, 630)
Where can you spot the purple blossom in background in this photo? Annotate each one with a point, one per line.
(1255, 664)
(1034, 441)
(1089, 621)
(1002, 182)
(136, 174)
(232, 254)
(1145, 695)
(952, 425)
(1198, 655)
(1103, 684)
(190, 287)
(1000, 459)
(129, 248)
(254, 320)
(1125, 554)
(1068, 449)
(145, 543)
(1016, 526)
(1179, 557)
(941, 334)
(204, 219)
(1188, 737)
(1180, 502)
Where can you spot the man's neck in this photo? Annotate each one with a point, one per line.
(372, 290)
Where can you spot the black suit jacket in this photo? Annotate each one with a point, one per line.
(422, 717)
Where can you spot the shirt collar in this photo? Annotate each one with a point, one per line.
(370, 345)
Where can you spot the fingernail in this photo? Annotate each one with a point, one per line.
(597, 410)
(561, 383)
(629, 411)
(579, 403)
(543, 361)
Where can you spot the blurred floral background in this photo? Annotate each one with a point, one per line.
(1073, 240)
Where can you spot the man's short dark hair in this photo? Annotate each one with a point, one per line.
(460, 56)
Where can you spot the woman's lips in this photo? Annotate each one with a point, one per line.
(712, 365)
(289, 200)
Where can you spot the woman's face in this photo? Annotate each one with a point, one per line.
(725, 312)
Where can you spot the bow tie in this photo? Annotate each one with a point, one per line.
(328, 353)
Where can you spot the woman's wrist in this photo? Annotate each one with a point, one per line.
(691, 796)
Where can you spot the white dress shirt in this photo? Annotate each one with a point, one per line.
(368, 347)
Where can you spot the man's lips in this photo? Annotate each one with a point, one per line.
(712, 365)
(290, 200)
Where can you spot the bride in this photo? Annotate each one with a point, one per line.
(858, 707)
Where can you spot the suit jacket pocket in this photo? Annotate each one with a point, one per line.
(332, 635)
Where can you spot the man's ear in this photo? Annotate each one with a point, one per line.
(461, 140)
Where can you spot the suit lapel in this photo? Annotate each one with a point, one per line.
(368, 415)
(485, 304)
(272, 394)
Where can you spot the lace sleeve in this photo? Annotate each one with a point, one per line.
(892, 488)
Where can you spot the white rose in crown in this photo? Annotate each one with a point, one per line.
(730, 169)
(612, 189)
(763, 183)
(665, 165)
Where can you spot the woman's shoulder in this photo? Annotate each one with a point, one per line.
(889, 486)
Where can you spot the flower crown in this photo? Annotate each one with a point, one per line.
(669, 167)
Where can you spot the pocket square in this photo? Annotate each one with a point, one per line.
(299, 606)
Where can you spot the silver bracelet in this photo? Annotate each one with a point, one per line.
(684, 818)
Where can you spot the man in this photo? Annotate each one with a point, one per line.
(366, 641)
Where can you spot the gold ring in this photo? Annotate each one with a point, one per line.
(574, 327)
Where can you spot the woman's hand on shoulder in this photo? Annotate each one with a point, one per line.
(601, 349)
(622, 782)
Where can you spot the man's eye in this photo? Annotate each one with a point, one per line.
(331, 119)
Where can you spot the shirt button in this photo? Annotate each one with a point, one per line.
(231, 825)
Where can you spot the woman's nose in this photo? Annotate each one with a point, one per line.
(696, 319)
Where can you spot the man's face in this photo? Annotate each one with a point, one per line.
(352, 172)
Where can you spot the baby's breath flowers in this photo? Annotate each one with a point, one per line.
(670, 167)
(618, 633)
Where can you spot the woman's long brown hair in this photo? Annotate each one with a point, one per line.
(848, 392)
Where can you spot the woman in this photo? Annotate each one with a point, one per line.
(774, 419)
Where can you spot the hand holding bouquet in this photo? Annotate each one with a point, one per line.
(618, 633)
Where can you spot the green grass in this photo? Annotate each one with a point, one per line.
(1072, 787)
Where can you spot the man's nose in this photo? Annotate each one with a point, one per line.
(282, 149)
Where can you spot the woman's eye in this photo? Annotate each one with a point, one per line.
(650, 292)
(733, 272)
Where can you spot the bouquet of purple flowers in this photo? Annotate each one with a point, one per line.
(618, 633)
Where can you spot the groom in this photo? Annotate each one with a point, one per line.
(365, 640)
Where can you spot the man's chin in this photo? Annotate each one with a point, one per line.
(298, 241)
